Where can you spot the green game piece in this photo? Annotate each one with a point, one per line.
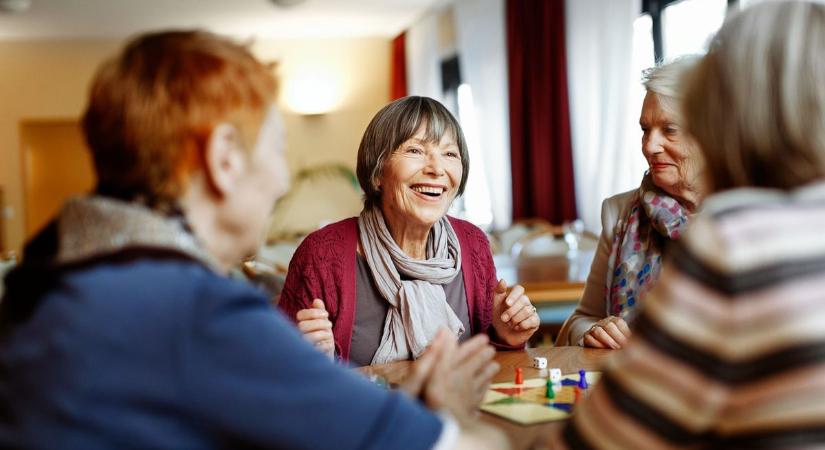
(507, 401)
(550, 392)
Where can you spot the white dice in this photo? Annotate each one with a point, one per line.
(540, 363)
(555, 375)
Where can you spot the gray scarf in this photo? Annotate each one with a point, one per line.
(418, 306)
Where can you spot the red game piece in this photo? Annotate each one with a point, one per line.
(519, 376)
(578, 394)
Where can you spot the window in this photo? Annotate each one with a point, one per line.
(474, 205)
(688, 26)
(642, 59)
(683, 27)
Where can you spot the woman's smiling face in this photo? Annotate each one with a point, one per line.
(421, 178)
(671, 155)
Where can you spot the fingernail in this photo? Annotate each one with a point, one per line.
(505, 317)
(509, 302)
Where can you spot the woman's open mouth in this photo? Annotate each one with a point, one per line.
(429, 192)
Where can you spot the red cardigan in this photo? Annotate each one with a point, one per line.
(324, 267)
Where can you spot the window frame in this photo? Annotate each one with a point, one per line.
(655, 8)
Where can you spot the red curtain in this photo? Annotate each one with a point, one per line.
(398, 71)
(541, 151)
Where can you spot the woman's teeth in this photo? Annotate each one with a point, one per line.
(429, 190)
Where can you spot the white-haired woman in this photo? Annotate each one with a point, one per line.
(637, 224)
(729, 351)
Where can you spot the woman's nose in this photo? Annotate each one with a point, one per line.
(652, 145)
(435, 164)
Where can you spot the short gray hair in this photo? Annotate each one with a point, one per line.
(392, 126)
(756, 102)
(666, 82)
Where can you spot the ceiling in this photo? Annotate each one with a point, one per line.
(81, 19)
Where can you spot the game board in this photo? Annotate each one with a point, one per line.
(528, 404)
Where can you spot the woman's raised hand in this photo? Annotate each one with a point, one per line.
(315, 325)
(514, 318)
(610, 332)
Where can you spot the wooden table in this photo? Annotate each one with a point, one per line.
(547, 279)
(568, 359)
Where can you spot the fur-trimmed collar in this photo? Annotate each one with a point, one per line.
(90, 227)
(90, 231)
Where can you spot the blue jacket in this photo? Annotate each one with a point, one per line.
(157, 351)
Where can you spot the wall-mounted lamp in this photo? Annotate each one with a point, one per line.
(312, 92)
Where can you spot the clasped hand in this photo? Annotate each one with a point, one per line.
(611, 332)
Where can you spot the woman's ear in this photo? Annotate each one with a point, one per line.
(224, 159)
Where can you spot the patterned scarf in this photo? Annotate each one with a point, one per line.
(636, 255)
(418, 305)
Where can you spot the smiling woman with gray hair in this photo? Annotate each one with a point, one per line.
(376, 288)
(637, 224)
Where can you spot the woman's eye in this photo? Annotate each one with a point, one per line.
(414, 150)
(670, 128)
(452, 154)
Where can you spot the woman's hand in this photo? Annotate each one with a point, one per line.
(315, 325)
(453, 377)
(610, 332)
(514, 318)
(473, 368)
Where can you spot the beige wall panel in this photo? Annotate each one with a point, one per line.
(56, 165)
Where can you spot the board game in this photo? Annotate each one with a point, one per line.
(528, 404)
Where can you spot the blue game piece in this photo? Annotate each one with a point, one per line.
(582, 380)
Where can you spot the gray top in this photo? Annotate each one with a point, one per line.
(371, 313)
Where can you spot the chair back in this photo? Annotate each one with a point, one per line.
(269, 278)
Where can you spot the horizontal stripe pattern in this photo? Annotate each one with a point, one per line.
(729, 351)
(757, 278)
(771, 321)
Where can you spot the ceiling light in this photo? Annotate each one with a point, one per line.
(312, 91)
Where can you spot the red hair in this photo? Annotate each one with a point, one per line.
(153, 107)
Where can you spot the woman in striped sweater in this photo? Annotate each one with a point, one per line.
(729, 351)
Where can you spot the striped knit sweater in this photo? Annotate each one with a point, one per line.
(730, 349)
